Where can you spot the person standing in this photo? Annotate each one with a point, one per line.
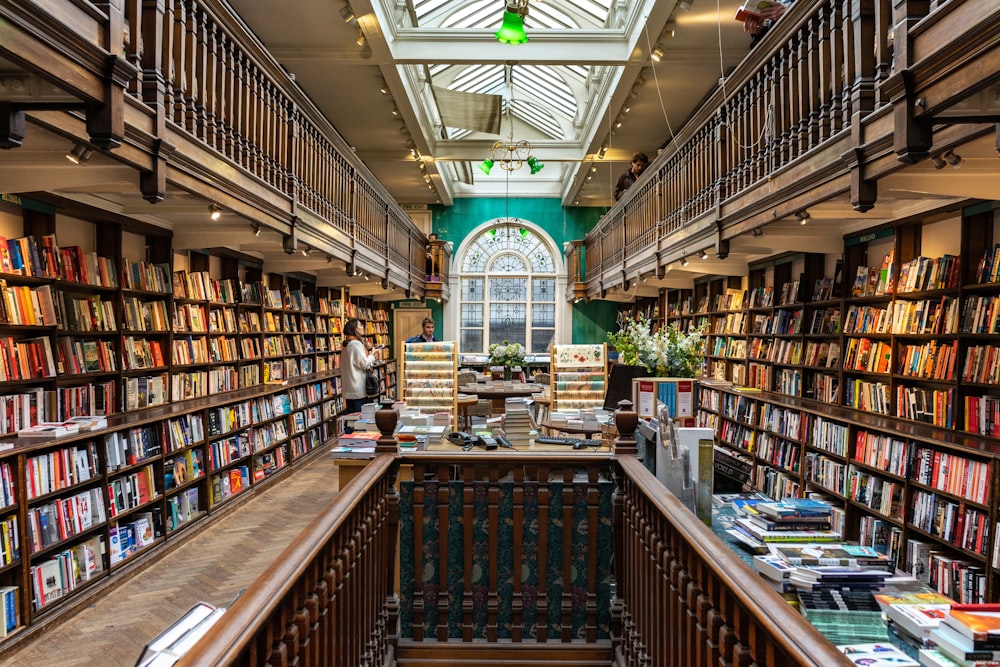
(625, 181)
(427, 333)
(356, 360)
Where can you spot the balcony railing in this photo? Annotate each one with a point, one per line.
(509, 556)
(827, 102)
(183, 87)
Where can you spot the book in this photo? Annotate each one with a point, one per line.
(960, 649)
(975, 622)
(917, 619)
(753, 9)
(877, 655)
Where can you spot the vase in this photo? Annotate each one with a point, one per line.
(386, 418)
(506, 372)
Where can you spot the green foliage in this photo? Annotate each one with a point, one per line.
(666, 353)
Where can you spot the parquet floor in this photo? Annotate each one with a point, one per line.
(214, 566)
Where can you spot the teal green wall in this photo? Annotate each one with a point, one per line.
(453, 223)
(591, 321)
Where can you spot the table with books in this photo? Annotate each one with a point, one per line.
(852, 594)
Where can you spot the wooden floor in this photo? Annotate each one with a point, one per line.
(214, 566)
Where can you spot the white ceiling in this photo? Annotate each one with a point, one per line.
(313, 42)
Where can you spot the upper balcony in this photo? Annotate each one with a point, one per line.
(838, 110)
(184, 108)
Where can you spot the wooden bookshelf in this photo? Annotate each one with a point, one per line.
(214, 376)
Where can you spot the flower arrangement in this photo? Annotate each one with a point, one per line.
(666, 353)
(506, 354)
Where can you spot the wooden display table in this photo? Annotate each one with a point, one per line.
(465, 401)
(499, 393)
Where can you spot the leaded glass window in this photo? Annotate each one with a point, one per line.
(508, 291)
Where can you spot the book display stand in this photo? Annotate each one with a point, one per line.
(579, 376)
(430, 377)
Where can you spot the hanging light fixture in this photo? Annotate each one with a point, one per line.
(512, 29)
(510, 155)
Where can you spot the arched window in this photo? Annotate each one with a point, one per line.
(508, 290)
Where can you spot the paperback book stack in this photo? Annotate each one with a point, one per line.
(968, 636)
(877, 655)
(843, 615)
(913, 616)
(789, 520)
(518, 425)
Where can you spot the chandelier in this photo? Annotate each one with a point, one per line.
(510, 155)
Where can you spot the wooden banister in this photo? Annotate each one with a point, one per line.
(688, 600)
(327, 594)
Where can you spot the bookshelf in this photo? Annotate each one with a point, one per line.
(213, 376)
(578, 377)
(895, 414)
(923, 490)
(94, 501)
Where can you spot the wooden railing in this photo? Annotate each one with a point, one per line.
(505, 548)
(183, 85)
(507, 556)
(822, 106)
(688, 600)
(328, 598)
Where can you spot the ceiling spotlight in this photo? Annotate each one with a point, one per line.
(347, 14)
(414, 153)
(952, 158)
(803, 217)
(214, 211)
(360, 41)
(602, 152)
(684, 261)
(593, 168)
(670, 29)
(656, 55)
(684, 5)
(512, 29)
(384, 89)
(626, 109)
(365, 276)
(305, 250)
(757, 232)
(395, 111)
(704, 254)
(256, 228)
(939, 162)
(79, 154)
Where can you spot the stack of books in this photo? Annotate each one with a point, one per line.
(846, 577)
(877, 655)
(968, 636)
(914, 615)
(789, 520)
(518, 426)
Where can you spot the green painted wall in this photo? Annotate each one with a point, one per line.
(591, 321)
(453, 223)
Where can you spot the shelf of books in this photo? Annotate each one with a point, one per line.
(140, 389)
(919, 493)
(578, 377)
(430, 377)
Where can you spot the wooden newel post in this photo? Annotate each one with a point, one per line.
(385, 419)
(626, 419)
